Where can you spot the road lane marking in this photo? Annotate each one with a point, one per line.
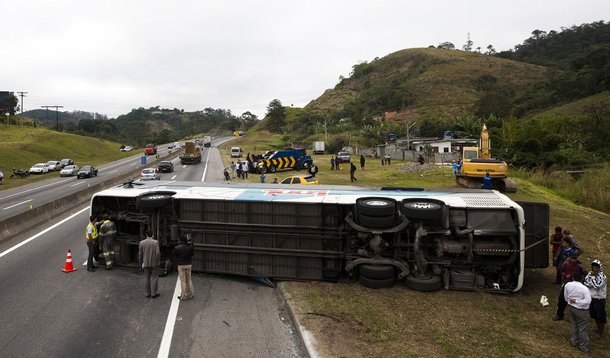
(166, 341)
(79, 183)
(205, 170)
(114, 171)
(36, 188)
(42, 233)
(12, 206)
(174, 177)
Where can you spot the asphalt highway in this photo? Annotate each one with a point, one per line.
(46, 312)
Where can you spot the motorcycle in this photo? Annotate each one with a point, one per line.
(20, 173)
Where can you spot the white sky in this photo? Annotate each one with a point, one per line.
(111, 56)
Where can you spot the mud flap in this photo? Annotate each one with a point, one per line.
(536, 229)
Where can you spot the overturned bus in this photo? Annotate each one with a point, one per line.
(429, 239)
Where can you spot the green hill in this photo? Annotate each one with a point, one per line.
(21, 147)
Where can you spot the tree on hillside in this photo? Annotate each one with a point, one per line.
(248, 120)
(277, 116)
(468, 45)
(490, 50)
(446, 45)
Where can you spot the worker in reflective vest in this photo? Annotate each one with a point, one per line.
(106, 238)
(91, 236)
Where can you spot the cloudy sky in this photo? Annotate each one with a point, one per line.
(112, 56)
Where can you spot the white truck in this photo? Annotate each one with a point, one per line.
(318, 147)
(207, 141)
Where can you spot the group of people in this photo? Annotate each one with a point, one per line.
(100, 234)
(584, 292)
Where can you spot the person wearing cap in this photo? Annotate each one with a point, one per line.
(183, 256)
(597, 283)
(570, 267)
(578, 298)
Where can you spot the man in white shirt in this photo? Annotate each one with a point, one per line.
(579, 298)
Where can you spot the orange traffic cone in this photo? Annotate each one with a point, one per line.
(69, 266)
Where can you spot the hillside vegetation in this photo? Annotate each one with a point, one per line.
(22, 147)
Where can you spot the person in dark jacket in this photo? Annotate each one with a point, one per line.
(362, 161)
(352, 171)
(569, 268)
(182, 255)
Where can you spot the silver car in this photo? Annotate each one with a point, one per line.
(68, 171)
(150, 174)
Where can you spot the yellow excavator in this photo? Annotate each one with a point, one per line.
(477, 161)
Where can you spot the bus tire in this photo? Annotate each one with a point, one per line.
(376, 206)
(431, 284)
(376, 283)
(377, 271)
(376, 222)
(154, 200)
(422, 208)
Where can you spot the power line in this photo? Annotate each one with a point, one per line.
(56, 114)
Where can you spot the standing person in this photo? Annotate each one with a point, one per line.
(149, 257)
(352, 171)
(107, 236)
(313, 170)
(556, 242)
(454, 166)
(486, 181)
(239, 170)
(274, 181)
(245, 169)
(262, 177)
(233, 166)
(388, 159)
(569, 269)
(362, 160)
(91, 235)
(567, 234)
(579, 299)
(332, 163)
(182, 255)
(562, 255)
(597, 282)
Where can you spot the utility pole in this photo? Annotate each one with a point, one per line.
(56, 114)
(22, 94)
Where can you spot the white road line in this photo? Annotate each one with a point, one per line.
(114, 171)
(174, 177)
(205, 170)
(79, 183)
(166, 341)
(41, 233)
(12, 206)
(36, 188)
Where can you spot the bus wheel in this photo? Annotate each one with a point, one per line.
(428, 284)
(375, 282)
(377, 271)
(422, 209)
(378, 207)
(154, 200)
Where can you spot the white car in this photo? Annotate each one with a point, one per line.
(39, 168)
(69, 170)
(150, 174)
(54, 165)
(127, 149)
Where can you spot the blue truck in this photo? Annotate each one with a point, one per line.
(295, 158)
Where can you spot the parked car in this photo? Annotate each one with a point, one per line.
(86, 172)
(344, 156)
(126, 148)
(150, 174)
(66, 161)
(39, 168)
(54, 165)
(236, 152)
(69, 170)
(166, 166)
(300, 179)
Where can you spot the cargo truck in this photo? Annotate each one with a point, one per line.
(191, 155)
(207, 141)
(318, 147)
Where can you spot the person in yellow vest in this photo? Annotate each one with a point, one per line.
(107, 235)
(91, 236)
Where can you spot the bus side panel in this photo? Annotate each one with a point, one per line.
(281, 240)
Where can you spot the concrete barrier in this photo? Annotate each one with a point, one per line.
(21, 222)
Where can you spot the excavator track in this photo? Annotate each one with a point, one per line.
(505, 185)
